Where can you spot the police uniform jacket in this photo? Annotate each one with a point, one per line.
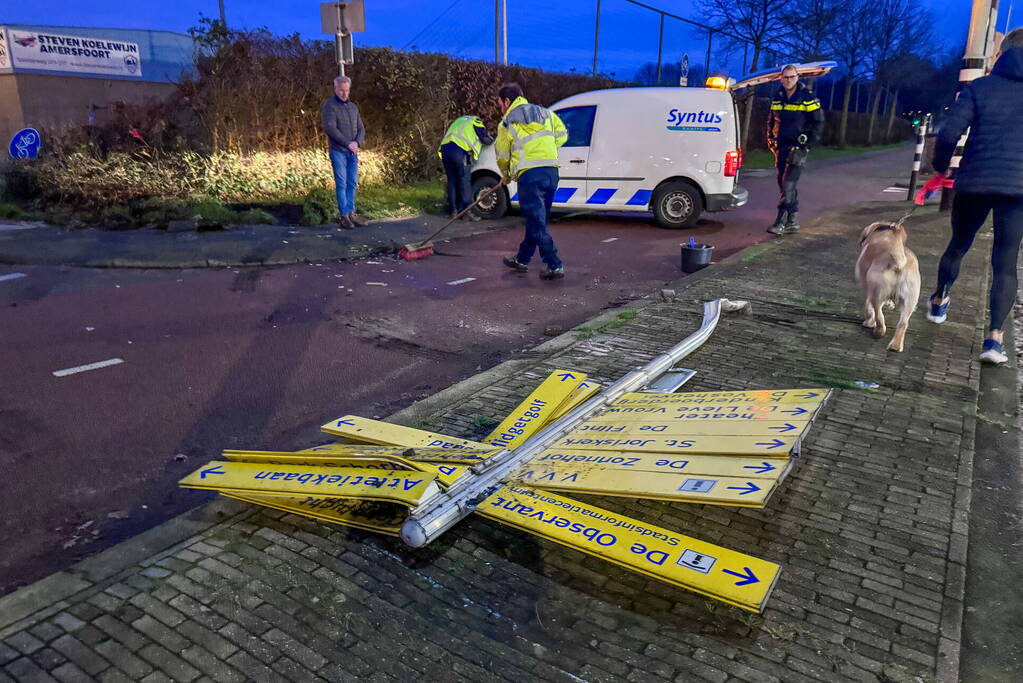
(793, 116)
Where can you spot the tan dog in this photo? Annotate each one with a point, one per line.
(888, 272)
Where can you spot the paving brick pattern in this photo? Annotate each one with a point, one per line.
(870, 529)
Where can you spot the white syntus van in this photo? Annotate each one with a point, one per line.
(673, 151)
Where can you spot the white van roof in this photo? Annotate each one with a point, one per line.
(594, 96)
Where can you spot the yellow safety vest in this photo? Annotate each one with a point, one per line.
(462, 133)
(529, 137)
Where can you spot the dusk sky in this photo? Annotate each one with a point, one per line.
(555, 36)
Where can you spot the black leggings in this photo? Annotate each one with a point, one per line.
(969, 211)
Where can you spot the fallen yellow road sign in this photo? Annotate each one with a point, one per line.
(738, 579)
(387, 434)
(377, 461)
(582, 392)
(768, 396)
(368, 515)
(536, 410)
(447, 474)
(740, 492)
(774, 447)
(407, 488)
(791, 412)
(686, 428)
(457, 455)
(706, 465)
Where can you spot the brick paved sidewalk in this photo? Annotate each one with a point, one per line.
(871, 527)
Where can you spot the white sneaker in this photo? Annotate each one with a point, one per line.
(993, 353)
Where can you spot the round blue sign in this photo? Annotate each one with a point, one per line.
(25, 144)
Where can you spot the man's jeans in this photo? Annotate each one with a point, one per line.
(346, 178)
(536, 193)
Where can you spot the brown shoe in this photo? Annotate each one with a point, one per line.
(357, 220)
(345, 222)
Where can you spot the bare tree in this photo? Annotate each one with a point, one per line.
(852, 43)
(810, 25)
(902, 27)
(756, 23)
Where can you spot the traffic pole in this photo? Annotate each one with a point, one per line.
(979, 48)
(921, 131)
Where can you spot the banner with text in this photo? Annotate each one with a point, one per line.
(76, 54)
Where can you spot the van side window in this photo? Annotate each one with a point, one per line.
(579, 121)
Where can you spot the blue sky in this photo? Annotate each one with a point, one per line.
(555, 36)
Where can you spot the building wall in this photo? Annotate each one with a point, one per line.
(11, 120)
(53, 103)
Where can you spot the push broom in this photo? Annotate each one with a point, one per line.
(418, 250)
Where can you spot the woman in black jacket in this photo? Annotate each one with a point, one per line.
(990, 178)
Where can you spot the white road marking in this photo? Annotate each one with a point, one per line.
(609, 239)
(895, 189)
(85, 368)
(377, 284)
(462, 281)
(11, 276)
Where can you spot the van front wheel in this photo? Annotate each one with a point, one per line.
(677, 205)
(495, 205)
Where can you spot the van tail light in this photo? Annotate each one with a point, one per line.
(733, 162)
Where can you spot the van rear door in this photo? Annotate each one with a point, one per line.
(574, 155)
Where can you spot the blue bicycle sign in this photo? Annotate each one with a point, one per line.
(25, 144)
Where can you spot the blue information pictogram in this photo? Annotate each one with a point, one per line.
(25, 144)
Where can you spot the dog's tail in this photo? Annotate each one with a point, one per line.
(898, 252)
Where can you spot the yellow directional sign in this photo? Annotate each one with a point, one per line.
(447, 474)
(385, 433)
(369, 515)
(740, 492)
(378, 462)
(684, 428)
(704, 465)
(537, 409)
(582, 392)
(407, 488)
(744, 412)
(773, 446)
(741, 580)
(418, 454)
(767, 396)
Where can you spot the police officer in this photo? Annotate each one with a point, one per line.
(459, 148)
(793, 127)
(527, 145)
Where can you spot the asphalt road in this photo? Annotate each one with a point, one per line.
(260, 358)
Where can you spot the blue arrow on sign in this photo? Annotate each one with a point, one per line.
(749, 488)
(796, 411)
(772, 444)
(216, 469)
(761, 469)
(747, 576)
(566, 376)
(784, 428)
(811, 394)
(345, 422)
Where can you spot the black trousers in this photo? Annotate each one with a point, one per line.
(969, 211)
(456, 167)
(788, 176)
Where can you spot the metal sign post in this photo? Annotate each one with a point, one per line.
(343, 19)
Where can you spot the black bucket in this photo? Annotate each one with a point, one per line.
(696, 257)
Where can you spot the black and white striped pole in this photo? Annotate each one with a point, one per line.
(921, 132)
(979, 48)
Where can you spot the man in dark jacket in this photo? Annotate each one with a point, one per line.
(345, 132)
(990, 178)
(793, 127)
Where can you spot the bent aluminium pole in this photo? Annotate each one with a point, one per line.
(439, 513)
